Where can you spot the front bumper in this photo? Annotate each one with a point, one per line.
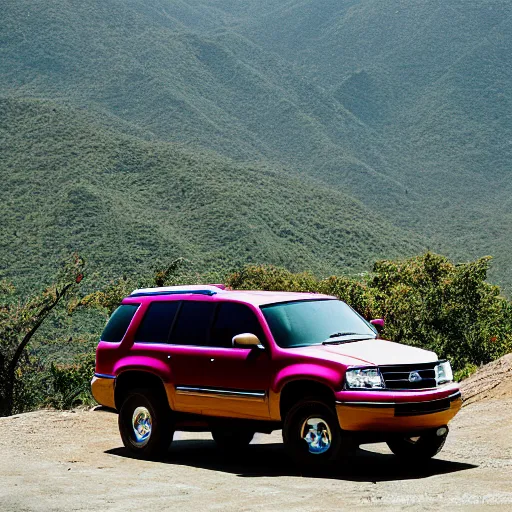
(398, 415)
(102, 388)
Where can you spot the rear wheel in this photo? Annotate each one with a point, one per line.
(312, 434)
(423, 446)
(231, 440)
(145, 424)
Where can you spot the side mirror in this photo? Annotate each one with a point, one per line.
(246, 340)
(378, 323)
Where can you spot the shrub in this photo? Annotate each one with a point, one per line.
(427, 301)
(69, 385)
(20, 320)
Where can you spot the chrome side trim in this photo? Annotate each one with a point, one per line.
(451, 397)
(227, 393)
(104, 376)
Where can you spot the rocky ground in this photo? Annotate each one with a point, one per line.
(492, 381)
(75, 461)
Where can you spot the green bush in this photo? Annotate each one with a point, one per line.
(69, 385)
(465, 372)
(427, 301)
(20, 320)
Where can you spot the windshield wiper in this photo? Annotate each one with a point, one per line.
(342, 334)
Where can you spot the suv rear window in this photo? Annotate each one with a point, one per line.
(157, 322)
(118, 323)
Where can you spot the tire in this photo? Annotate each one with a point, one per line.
(145, 408)
(311, 433)
(231, 440)
(422, 447)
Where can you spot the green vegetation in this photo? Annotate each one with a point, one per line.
(405, 108)
(70, 384)
(430, 78)
(426, 301)
(19, 322)
(306, 134)
(48, 341)
(125, 203)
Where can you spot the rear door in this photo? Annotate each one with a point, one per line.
(189, 351)
(176, 334)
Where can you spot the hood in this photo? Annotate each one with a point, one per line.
(370, 352)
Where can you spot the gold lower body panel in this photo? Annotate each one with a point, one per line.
(207, 404)
(383, 419)
(103, 391)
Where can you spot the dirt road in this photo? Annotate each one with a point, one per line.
(74, 461)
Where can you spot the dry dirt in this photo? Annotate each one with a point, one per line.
(493, 380)
(75, 461)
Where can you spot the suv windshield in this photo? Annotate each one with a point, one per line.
(311, 322)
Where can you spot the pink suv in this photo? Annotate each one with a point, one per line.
(202, 358)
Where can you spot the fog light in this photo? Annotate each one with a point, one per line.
(441, 431)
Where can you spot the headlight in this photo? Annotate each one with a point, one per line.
(369, 378)
(444, 373)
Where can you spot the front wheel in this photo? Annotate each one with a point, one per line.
(423, 446)
(145, 424)
(312, 434)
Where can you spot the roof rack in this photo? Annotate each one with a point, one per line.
(178, 290)
(191, 292)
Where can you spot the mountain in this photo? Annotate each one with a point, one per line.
(205, 87)
(433, 80)
(401, 108)
(73, 181)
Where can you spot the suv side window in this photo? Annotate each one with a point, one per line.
(233, 319)
(118, 323)
(157, 322)
(192, 326)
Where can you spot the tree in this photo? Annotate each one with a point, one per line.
(108, 298)
(427, 301)
(20, 320)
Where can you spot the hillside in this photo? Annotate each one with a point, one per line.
(179, 82)
(432, 79)
(402, 108)
(83, 183)
(492, 381)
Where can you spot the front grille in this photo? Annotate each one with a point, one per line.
(397, 376)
